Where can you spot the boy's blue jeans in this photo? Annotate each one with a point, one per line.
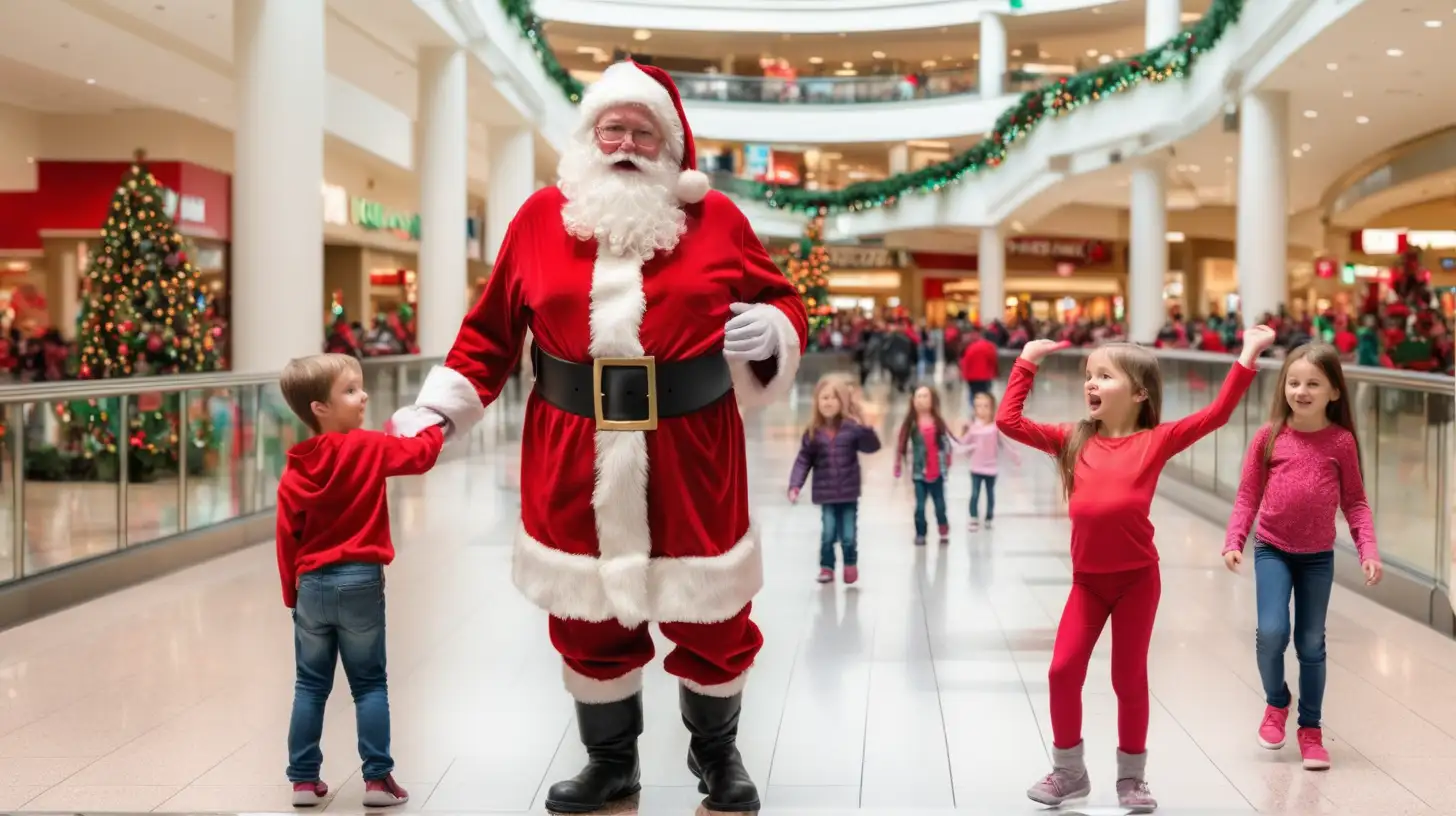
(339, 617)
(1309, 578)
(840, 522)
(935, 491)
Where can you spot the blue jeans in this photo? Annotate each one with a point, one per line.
(339, 617)
(935, 491)
(1309, 578)
(840, 521)
(977, 480)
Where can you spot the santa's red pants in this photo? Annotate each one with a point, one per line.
(706, 654)
(1131, 599)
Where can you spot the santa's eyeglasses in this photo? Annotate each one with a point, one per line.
(616, 134)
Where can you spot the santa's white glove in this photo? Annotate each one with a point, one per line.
(411, 419)
(750, 334)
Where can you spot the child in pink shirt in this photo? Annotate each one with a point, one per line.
(985, 443)
(1300, 468)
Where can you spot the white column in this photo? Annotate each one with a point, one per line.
(278, 230)
(1148, 249)
(991, 275)
(993, 55)
(512, 180)
(1263, 215)
(1164, 19)
(899, 159)
(443, 276)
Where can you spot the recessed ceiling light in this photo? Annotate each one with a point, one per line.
(90, 81)
(1349, 94)
(1228, 159)
(1362, 120)
(30, 160)
(877, 54)
(1091, 52)
(1298, 153)
(816, 60)
(1105, 58)
(928, 64)
(1119, 53)
(1044, 55)
(1096, 10)
(1393, 52)
(848, 64)
(1333, 66)
(1433, 24)
(642, 35)
(1309, 114)
(1305, 147)
(1016, 52)
(1195, 168)
(946, 58)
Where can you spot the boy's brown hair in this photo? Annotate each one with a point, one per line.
(311, 379)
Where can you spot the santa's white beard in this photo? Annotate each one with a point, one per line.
(630, 212)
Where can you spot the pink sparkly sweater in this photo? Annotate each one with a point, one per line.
(1309, 476)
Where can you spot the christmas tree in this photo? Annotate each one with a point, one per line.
(142, 312)
(808, 270)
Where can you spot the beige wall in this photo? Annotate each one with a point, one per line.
(20, 140)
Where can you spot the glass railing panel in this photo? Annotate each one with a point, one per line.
(152, 471)
(278, 431)
(217, 461)
(824, 90)
(12, 538)
(1405, 479)
(71, 481)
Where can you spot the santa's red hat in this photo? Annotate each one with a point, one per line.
(631, 83)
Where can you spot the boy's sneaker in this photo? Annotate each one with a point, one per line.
(1312, 748)
(851, 574)
(826, 575)
(920, 541)
(974, 525)
(945, 533)
(1274, 727)
(309, 794)
(384, 792)
(988, 524)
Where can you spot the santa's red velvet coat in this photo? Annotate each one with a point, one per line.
(630, 525)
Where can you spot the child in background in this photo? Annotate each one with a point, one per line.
(835, 438)
(1300, 467)
(985, 443)
(925, 438)
(333, 545)
(1110, 464)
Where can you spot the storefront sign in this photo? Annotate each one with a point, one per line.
(1396, 241)
(192, 209)
(1068, 248)
(372, 215)
(858, 257)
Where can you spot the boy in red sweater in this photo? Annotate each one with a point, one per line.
(333, 545)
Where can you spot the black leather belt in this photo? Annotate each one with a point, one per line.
(631, 393)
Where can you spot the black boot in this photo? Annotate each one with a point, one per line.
(713, 752)
(609, 731)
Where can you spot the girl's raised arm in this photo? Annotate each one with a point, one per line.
(1009, 419)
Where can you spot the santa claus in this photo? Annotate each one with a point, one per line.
(656, 314)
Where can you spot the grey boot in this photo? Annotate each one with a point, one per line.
(1068, 779)
(1132, 785)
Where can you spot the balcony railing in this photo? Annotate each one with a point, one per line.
(843, 90)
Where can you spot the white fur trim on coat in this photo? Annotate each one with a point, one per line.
(619, 497)
(728, 689)
(626, 84)
(752, 393)
(695, 589)
(449, 394)
(585, 689)
(692, 186)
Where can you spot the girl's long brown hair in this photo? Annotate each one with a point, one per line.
(1327, 357)
(837, 383)
(911, 417)
(1141, 368)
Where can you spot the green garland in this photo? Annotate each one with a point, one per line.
(1173, 59)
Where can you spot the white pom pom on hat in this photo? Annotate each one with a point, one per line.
(631, 83)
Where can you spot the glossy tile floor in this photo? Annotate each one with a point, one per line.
(921, 690)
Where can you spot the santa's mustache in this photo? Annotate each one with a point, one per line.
(634, 159)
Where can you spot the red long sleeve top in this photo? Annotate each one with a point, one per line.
(331, 503)
(1115, 478)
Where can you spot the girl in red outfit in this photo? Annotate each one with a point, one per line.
(1300, 468)
(1110, 463)
(926, 440)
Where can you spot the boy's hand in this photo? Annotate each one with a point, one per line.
(1256, 341)
(1036, 350)
(410, 420)
(793, 495)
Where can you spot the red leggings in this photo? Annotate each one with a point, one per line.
(1131, 599)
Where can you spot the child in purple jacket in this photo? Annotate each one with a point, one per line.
(832, 444)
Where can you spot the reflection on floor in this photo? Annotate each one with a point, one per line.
(921, 690)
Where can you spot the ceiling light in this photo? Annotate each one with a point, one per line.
(1182, 168)
(946, 58)
(1393, 52)
(1309, 114)
(1104, 59)
(1228, 159)
(1190, 17)
(1119, 53)
(1175, 237)
(848, 64)
(642, 35)
(1091, 52)
(1305, 147)
(1096, 10)
(1362, 120)
(816, 60)
(30, 160)
(1016, 226)
(1333, 66)
(1016, 52)
(1349, 94)
(928, 64)
(1044, 55)
(90, 81)
(1297, 153)
(1195, 168)
(877, 54)
(1433, 24)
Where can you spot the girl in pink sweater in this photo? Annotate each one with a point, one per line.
(985, 443)
(1300, 468)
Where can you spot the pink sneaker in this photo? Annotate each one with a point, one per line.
(826, 575)
(384, 792)
(1312, 748)
(851, 574)
(309, 794)
(1273, 728)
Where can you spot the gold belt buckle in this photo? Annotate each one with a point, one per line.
(648, 363)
